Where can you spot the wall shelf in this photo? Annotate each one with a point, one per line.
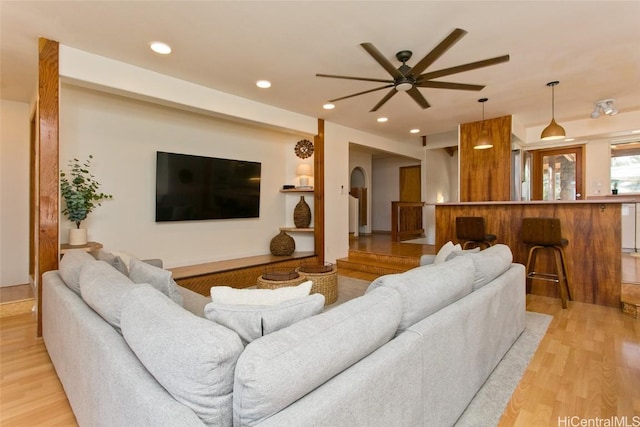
(297, 190)
(300, 230)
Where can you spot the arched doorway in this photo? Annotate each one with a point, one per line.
(358, 202)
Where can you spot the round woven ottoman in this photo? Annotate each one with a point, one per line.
(274, 279)
(324, 278)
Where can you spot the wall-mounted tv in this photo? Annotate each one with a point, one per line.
(190, 188)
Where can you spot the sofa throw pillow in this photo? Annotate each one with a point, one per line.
(105, 289)
(228, 295)
(71, 265)
(126, 257)
(113, 260)
(254, 321)
(490, 263)
(461, 252)
(445, 251)
(427, 289)
(141, 272)
(192, 358)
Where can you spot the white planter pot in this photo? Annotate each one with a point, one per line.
(77, 236)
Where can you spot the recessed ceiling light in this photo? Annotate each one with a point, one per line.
(161, 48)
(414, 130)
(264, 84)
(328, 106)
(382, 119)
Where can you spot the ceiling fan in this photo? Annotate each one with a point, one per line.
(409, 79)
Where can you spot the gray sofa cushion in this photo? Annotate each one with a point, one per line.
(70, 266)
(142, 272)
(490, 263)
(191, 357)
(113, 260)
(427, 289)
(278, 369)
(253, 321)
(104, 289)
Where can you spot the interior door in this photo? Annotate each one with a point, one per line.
(410, 187)
(558, 173)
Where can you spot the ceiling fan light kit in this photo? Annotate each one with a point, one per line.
(409, 79)
(554, 130)
(605, 107)
(484, 141)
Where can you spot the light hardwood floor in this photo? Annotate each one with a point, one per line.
(587, 366)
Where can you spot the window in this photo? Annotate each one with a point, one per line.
(625, 167)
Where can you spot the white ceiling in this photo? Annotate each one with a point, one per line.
(591, 47)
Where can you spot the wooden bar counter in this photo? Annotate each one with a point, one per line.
(593, 228)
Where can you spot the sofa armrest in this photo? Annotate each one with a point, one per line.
(427, 259)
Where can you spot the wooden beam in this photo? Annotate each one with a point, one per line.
(318, 203)
(47, 172)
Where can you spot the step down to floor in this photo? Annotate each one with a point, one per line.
(378, 264)
(13, 308)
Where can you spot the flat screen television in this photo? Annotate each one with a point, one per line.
(190, 188)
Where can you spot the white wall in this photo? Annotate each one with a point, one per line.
(14, 193)
(597, 168)
(124, 134)
(386, 189)
(441, 185)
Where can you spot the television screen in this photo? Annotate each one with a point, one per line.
(192, 188)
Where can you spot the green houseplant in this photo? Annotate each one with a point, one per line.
(81, 196)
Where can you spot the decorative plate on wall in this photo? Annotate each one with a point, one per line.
(304, 148)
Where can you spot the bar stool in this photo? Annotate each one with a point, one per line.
(471, 230)
(545, 233)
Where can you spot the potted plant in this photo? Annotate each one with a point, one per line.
(81, 196)
(614, 190)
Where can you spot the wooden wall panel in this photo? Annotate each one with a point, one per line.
(318, 193)
(593, 255)
(47, 171)
(485, 175)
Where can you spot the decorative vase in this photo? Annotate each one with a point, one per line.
(77, 236)
(282, 244)
(302, 214)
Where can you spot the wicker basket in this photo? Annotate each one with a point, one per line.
(325, 280)
(274, 279)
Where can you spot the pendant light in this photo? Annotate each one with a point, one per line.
(484, 140)
(554, 130)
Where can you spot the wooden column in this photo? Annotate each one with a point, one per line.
(318, 202)
(47, 168)
(485, 175)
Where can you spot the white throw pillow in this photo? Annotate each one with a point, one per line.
(228, 295)
(445, 251)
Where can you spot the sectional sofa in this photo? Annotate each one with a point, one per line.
(412, 351)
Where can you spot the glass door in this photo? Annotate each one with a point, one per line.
(557, 174)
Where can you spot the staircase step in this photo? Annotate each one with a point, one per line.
(394, 260)
(372, 266)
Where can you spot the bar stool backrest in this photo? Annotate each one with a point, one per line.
(542, 231)
(470, 228)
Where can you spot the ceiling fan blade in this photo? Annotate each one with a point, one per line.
(447, 85)
(438, 51)
(364, 79)
(361, 93)
(383, 100)
(462, 68)
(417, 96)
(382, 60)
